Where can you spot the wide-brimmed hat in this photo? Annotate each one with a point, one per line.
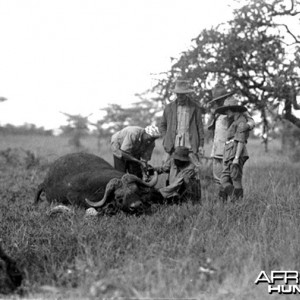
(182, 87)
(220, 93)
(231, 103)
(181, 153)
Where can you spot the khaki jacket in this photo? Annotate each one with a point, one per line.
(220, 126)
(236, 134)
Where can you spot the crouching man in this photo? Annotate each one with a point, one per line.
(235, 151)
(132, 148)
(183, 181)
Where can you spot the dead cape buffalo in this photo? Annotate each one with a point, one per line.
(87, 180)
(10, 276)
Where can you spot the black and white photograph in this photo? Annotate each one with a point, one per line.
(149, 149)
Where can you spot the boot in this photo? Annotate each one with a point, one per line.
(237, 195)
(222, 196)
(229, 190)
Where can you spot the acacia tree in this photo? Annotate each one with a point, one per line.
(140, 113)
(77, 128)
(254, 53)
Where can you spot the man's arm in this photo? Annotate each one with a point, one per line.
(201, 132)
(250, 121)
(166, 166)
(239, 150)
(241, 137)
(127, 146)
(212, 123)
(129, 157)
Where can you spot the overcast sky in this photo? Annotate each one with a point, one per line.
(77, 56)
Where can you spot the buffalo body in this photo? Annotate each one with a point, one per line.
(83, 179)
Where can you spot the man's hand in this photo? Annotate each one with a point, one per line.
(235, 161)
(159, 170)
(235, 169)
(144, 166)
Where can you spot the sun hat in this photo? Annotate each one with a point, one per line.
(153, 131)
(231, 103)
(182, 87)
(220, 93)
(181, 153)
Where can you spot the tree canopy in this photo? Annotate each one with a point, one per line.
(141, 113)
(256, 53)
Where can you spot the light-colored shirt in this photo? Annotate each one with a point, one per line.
(182, 137)
(220, 133)
(219, 136)
(129, 140)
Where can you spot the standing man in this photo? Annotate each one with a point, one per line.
(181, 123)
(132, 148)
(235, 151)
(219, 125)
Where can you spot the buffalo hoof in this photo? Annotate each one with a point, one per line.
(59, 209)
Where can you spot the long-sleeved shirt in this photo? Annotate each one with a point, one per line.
(129, 140)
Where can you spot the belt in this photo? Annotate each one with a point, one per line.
(228, 142)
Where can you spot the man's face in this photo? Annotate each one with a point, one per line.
(216, 104)
(229, 113)
(147, 139)
(182, 99)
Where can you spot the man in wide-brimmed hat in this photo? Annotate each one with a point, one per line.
(235, 152)
(132, 148)
(184, 182)
(181, 123)
(219, 126)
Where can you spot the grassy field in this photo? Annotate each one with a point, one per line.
(150, 256)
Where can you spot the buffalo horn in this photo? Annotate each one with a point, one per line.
(110, 187)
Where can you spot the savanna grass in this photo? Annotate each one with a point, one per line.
(158, 255)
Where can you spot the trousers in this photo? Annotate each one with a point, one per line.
(227, 180)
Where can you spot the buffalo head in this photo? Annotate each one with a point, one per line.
(126, 193)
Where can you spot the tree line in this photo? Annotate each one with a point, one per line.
(255, 53)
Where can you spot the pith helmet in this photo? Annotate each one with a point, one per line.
(153, 131)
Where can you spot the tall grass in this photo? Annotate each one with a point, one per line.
(158, 255)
